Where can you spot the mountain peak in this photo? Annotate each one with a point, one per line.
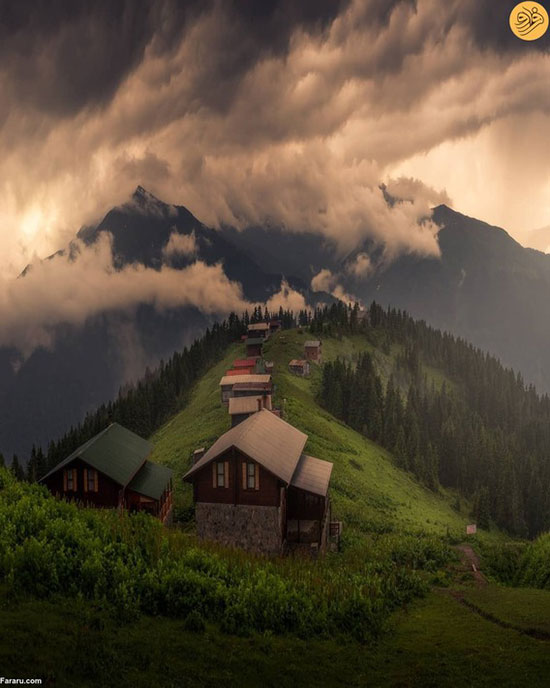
(141, 195)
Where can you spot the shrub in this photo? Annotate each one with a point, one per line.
(132, 565)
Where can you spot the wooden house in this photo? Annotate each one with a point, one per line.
(254, 346)
(112, 470)
(299, 367)
(250, 389)
(255, 488)
(274, 326)
(228, 382)
(313, 351)
(260, 329)
(240, 371)
(240, 408)
(243, 363)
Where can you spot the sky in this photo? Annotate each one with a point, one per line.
(276, 111)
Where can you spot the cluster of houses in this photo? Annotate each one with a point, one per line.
(313, 351)
(254, 487)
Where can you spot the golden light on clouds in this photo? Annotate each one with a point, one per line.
(297, 125)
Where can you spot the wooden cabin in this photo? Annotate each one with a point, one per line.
(299, 367)
(244, 363)
(228, 383)
(255, 488)
(254, 346)
(260, 329)
(274, 326)
(250, 389)
(240, 408)
(112, 470)
(313, 351)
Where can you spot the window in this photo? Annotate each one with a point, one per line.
(251, 476)
(220, 474)
(69, 480)
(90, 480)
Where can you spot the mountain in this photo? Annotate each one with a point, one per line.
(539, 239)
(44, 394)
(484, 287)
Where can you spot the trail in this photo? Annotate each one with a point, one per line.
(470, 561)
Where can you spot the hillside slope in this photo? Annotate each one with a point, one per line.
(369, 492)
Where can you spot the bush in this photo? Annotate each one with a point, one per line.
(132, 565)
(194, 622)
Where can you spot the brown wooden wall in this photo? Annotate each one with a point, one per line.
(304, 505)
(268, 493)
(108, 491)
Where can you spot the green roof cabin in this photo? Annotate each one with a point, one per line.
(112, 470)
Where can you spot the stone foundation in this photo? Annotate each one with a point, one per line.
(253, 528)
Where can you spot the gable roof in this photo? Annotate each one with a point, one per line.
(151, 480)
(258, 327)
(312, 343)
(264, 437)
(312, 475)
(236, 379)
(244, 363)
(116, 452)
(297, 362)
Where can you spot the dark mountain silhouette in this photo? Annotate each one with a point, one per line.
(43, 395)
(484, 287)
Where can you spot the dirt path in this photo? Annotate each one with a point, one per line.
(470, 561)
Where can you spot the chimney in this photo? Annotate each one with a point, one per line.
(198, 454)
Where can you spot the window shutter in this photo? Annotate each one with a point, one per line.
(244, 475)
(95, 481)
(214, 481)
(64, 481)
(74, 479)
(85, 480)
(226, 473)
(257, 477)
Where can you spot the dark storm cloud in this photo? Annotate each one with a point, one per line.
(285, 111)
(61, 56)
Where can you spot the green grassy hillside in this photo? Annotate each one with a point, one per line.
(369, 493)
(124, 597)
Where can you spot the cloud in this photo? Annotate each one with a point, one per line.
(287, 299)
(64, 291)
(180, 245)
(361, 266)
(325, 280)
(281, 112)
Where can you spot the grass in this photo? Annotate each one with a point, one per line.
(527, 609)
(369, 493)
(435, 643)
(431, 642)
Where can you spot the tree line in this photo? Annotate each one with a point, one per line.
(145, 405)
(480, 429)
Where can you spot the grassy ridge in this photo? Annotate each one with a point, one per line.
(395, 533)
(369, 493)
